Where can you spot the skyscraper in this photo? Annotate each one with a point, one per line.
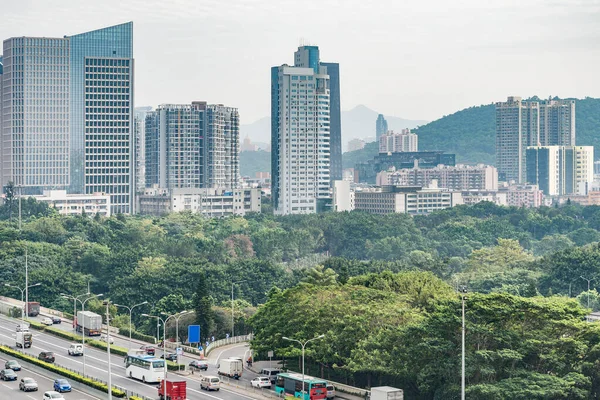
(309, 57)
(139, 128)
(520, 124)
(175, 145)
(300, 135)
(222, 147)
(68, 119)
(381, 126)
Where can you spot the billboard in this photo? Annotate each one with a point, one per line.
(193, 334)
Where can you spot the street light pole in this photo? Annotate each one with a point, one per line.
(24, 310)
(232, 310)
(463, 291)
(107, 303)
(177, 316)
(130, 311)
(26, 273)
(303, 346)
(588, 291)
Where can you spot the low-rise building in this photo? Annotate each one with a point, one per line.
(206, 201)
(76, 204)
(523, 195)
(459, 177)
(471, 197)
(405, 199)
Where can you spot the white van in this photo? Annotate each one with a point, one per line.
(76, 349)
(210, 383)
(270, 373)
(23, 327)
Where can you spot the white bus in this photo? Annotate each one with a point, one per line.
(145, 368)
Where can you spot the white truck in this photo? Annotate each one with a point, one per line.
(386, 393)
(24, 339)
(90, 321)
(231, 367)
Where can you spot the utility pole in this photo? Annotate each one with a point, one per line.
(232, 310)
(588, 291)
(26, 273)
(463, 291)
(107, 303)
(20, 195)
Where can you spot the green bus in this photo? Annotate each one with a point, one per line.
(291, 384)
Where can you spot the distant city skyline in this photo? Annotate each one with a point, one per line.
(447, 56)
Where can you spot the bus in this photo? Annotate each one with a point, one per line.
(145, 368)
(291, 384)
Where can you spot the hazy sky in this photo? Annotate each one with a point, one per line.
(413, 59)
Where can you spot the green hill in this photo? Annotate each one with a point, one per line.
(470, 134)
(252, 162)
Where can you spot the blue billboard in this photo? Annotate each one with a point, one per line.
(194, 334)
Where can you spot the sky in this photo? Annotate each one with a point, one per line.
(418, 59)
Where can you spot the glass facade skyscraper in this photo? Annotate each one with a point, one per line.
(67, 114)
(102, 145)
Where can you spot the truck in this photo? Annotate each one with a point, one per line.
(24, 339)
(176, 390)
(231, 367)
(91, 322)
(386, 393)
(33, 308)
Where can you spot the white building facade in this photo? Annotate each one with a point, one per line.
(460, 177)
(76, 204)
(393, 142)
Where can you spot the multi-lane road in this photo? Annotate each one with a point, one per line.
(96, 362)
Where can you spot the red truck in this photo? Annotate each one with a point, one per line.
(33, 308)
(176, 390)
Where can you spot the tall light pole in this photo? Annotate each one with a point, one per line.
(177, 316)
(107, 304)
(588, 293)
(303, 346)
(463, 291)
(130, 311)
(24, 311)
(164, 322)
(232, 311)
(20, 195)
(83, 323)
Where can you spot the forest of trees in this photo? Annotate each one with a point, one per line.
(381, 288)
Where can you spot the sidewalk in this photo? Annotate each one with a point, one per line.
(257, 366)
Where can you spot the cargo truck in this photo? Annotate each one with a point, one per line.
(386, 393)
(90, 321)
(33, 308)
(231, 367)
(24, 339)
(176, 390)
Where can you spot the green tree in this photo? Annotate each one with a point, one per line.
(203, 307)
(320, 276)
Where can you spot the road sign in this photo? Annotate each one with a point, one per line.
(194, 334)
(179, 351)
(270, 354)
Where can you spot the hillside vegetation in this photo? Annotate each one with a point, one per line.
(470, 134)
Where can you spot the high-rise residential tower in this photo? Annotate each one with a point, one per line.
(300, 135)
(522, 123)
(175, 145)
(222, 147)
(381, 126)
(68, 114)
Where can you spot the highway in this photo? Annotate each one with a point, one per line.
(10, 389)
(96, 364)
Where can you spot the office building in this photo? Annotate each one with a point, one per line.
(210, 202)
(524, 123)
(300, 135)
(175, 146)
(76, 204)
(405, 199)
(366, 172)
(561, 170)
(392, 142)
(222, 147)
(460, 177)
(381, 127)
(356, 144)
(139, 127)
(67, 108)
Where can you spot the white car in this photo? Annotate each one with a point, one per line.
(52, 395)
(106, 338)
(261, 382)
(47, 321)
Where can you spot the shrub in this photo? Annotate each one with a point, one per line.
(62, 371)
(137, 335)
(113, 349)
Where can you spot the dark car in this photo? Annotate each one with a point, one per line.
(199, 365)
(12, 364)
(47, 356)
(8, 375)
(56, 320)
(150, 350)
(170, 357)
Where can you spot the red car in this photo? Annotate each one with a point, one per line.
(150, 350)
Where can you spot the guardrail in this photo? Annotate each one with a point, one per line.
(225, 342)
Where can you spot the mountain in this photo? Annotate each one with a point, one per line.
(252, 162)
(470, 134)
(357, 123)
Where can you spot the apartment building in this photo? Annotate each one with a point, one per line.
(392, 142)
(459, 177)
